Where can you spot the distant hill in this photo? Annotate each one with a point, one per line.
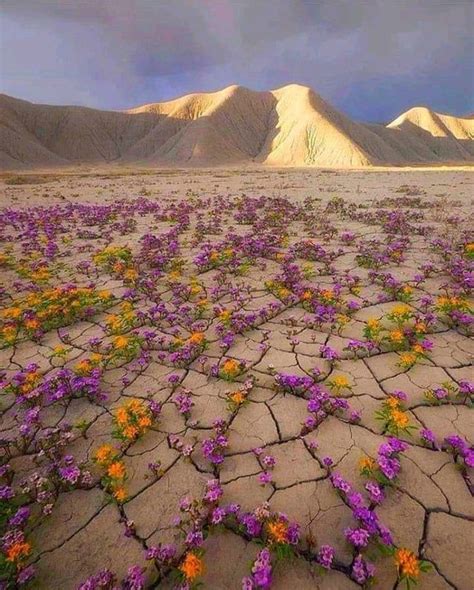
(290, 126)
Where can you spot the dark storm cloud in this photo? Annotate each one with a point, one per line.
(117, 53)
(170, 33)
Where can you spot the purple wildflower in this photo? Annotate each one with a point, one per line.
(325, 556)
(357, 537)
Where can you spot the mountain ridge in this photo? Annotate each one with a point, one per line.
(289, 126)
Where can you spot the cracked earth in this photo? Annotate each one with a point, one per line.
(212, 363)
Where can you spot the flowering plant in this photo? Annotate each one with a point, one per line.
(114, 473)
(133, 418)
(46, 310)
(230, 369)
(394, 416)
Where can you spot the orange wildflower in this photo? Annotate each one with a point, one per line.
(192, 566)
(144, 422)
(121, 416)
(130, 432)
(120, 494)
(366, 463)
(277, 531)
(9, 333)
(196, 338)
(31, 324)
(408, 358)
(12, 312)
(238, 397)
(83, 366)
(327, 294)
(131, 274)
(104, 453)
(135, 405)
(118, 266)
(116, 470)
(393, 402)
(400, 418)
(231, 367)
(396, 336)
(407, 563)
(18, 551)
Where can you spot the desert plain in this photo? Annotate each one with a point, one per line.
(231, 374)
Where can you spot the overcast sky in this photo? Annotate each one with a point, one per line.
(370, 58)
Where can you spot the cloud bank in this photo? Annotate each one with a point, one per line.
(371, 58)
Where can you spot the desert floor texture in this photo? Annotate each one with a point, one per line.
(247, 378)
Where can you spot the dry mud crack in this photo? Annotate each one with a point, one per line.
(247, 379)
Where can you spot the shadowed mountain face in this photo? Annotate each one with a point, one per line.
(291, 126)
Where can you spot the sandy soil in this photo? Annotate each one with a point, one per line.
(106, 184)
(323, 221)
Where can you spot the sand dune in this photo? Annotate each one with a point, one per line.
(290, 126)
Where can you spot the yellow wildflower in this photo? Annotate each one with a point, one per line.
(225, 315)
(120, 342)
(400, 310)
(408, 358)
(340, 382)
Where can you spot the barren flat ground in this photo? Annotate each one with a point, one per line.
(247, 378)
